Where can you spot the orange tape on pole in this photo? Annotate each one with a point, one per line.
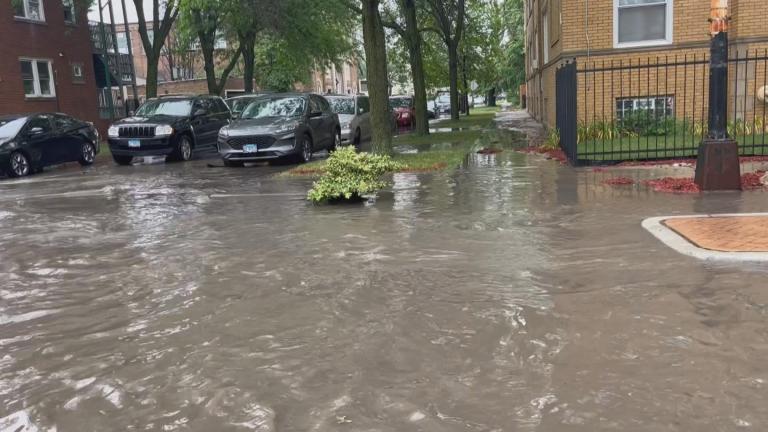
(718, 17)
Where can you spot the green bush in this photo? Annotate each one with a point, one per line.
(349, 174)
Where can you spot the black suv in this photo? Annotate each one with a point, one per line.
(171, 126)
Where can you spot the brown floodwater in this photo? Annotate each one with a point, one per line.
(512, 294)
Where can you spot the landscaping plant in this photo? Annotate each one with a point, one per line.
(350, 175)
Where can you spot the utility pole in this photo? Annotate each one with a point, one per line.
(105, 58)
(717, 166)
(116, 49)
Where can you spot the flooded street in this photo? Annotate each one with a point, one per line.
(513, 294)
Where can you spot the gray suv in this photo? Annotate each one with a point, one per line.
(280, 126)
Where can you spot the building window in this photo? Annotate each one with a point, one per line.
(78, 75)
(70, 15)
(122, 42)
(652, 107)
(29, 9)
(642, 22)
(37, 76)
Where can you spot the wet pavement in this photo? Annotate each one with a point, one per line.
(513, 294)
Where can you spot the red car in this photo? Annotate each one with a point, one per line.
(402, 110)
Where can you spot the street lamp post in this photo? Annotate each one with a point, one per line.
(717, 166)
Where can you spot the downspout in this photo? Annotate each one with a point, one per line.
(586, 26)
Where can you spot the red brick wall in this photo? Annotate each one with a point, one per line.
(55, 41)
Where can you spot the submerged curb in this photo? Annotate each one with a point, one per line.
(685, 246)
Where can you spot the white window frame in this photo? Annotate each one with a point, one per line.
(669, 25)
(26, 11)
(36, 78)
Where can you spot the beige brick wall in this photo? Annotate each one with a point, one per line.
(598, 92)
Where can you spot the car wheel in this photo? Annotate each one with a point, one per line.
(357, 141)
(183, 150)
(87, 154)
(122, 160)
(336, 141)
(233, 164)
(305, 149)
(19, 165)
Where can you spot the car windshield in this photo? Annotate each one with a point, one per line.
(170, 107)
(240, 104)
(400, 103)
(444, 98)
(9, 127)
(342, 105)
(275, 107)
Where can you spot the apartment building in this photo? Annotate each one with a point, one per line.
(640, 54)
(47, 66)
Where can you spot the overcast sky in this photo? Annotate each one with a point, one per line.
(93, 14)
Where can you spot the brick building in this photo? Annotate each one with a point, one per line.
(619, 35)
(47, 63)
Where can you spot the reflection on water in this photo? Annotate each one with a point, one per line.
(509, 294)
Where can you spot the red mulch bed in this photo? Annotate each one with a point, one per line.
(489, 150)
(557, 155)
(749, 181)
(619, 181)
(688, 161)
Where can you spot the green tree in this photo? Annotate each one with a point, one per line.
(162, 22)
(449, 16)
(405, 23)
(375, 48)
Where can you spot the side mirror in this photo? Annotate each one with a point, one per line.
(315, 114)
(131, 113)
(36, 131)
(200, 112)
(361, 110)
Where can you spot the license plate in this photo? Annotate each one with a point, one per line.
(250, 148)
(134, 143)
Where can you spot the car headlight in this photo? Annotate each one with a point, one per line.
(113, 131)
(288, 127)
(345, 125)
(224, 132)
(163, 130)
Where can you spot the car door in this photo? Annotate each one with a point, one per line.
(203, 124)
(69, 139)
(365, 117)
(316, 121)
(329, 120)
(41, 140)
(223, 116)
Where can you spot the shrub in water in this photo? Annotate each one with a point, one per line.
(349, 174)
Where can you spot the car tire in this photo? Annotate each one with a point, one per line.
(336, 143)
(305, 149)
(233, 164)
(19, 165)
(183, 150)
(122, 160)
(87, 154)
(358, 139)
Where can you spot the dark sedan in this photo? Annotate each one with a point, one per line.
(280, 126)
(30, 142)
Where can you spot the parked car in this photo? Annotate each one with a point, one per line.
(171, 126)
(402, 106)
(238, 103)
(442, 103)
(354, 113)
(29, 142)
(280, 126)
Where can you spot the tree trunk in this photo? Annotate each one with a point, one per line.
(466, 84)
(247, 45)
(376, 62)
(416, 59)
(209, 66)
(152, 64)
(491, 98)
(453, 76)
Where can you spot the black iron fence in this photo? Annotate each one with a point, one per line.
(656, 108)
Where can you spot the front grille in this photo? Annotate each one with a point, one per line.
(136, 132)
(261, 141)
